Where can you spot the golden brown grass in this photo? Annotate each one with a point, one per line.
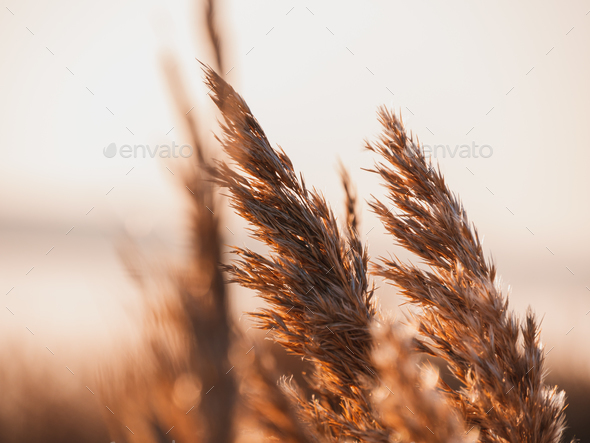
(367, 381)
(320, 304)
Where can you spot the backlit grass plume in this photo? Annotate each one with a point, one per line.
(464, 317)
(320, 304)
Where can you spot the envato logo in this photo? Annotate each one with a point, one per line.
(464, 151)
(135, 151)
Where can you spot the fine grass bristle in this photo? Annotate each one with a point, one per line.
(409, 400)
(274, 411)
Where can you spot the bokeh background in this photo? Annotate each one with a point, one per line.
(77, 76)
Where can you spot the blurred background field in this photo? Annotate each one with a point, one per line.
(77, 76)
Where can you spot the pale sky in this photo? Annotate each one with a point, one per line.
(77, 76)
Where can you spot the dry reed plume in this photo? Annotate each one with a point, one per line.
(464, 317)
(314, 279)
